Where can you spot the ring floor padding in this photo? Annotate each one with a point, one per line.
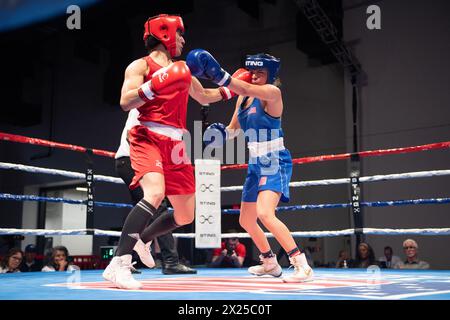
(231, 284)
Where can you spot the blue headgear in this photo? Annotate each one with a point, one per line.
(264, 61)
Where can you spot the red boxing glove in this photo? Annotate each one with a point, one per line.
(241, 74)
(173, 78)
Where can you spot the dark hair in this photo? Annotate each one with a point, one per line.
(52, 263)
(11, 252)
(370, 257)
(388, 248)
(277, 82)
(151, 42)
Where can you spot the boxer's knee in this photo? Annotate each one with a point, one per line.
(153, 186)
(154, 197)
(184, 218)
(265, 214)
(248, 216)
(247, 222)
(184, 208)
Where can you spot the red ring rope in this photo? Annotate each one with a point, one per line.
(362, 154)
(46, 143)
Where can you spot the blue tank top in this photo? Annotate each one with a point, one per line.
(257, 124)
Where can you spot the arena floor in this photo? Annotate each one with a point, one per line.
(232, 284)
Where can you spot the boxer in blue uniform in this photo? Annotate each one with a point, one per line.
(258, 113)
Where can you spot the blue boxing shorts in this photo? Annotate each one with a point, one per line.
(269, 172)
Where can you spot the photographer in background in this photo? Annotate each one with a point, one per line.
(230, 255)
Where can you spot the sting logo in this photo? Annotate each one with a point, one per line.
(254, 63)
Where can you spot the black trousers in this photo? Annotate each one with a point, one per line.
(166, 242)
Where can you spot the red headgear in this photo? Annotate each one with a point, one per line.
(164, 28)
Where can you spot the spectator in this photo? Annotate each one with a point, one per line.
(344, 260)
(30, 263)
(59, 261)
(11, 262)
(389, 261)
(365, 256)
(411, 249)
(230, 255)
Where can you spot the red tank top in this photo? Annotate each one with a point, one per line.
(166, 109)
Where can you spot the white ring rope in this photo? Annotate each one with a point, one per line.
(296, 184)
(326, 182)
(303, 234)
(56, 172)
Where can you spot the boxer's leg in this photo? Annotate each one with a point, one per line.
(144, 157)
(152, 184)
(183, 214)
(126, 173)
(265, 206)
(248, 220)
(180, 190)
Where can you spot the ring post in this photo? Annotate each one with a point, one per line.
(90, 189)
(355, 198)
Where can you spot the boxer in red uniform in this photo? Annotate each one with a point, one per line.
(159, 88)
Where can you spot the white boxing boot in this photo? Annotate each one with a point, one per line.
(302, 271)
(143, 250)
(269, 266)
(119, 273)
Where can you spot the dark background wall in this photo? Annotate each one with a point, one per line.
(65, 85)
(405, 103)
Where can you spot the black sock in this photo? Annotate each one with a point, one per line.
(136, 221)
(162, 225)
(268, 254)
(294, 252)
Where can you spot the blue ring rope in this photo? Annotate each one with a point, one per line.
(6, 196)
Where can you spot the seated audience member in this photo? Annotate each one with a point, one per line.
(389, 261)
(11, 262)
(29, 263)
(230, 255)
(59, 261)
(365, 257)
(344, 260)
(412, 261)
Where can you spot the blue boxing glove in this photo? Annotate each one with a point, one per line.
(203, 65)
(215, 135)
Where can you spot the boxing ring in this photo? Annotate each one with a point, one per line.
(230, 284)
(234, 284)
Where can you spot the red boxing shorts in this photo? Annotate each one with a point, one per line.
(153, 152)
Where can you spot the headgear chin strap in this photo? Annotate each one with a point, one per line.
(164, 27)
(264, 61)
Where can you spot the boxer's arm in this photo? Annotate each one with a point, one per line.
(202, 95)
(234, 123)
(267, 92)
(134, 78)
